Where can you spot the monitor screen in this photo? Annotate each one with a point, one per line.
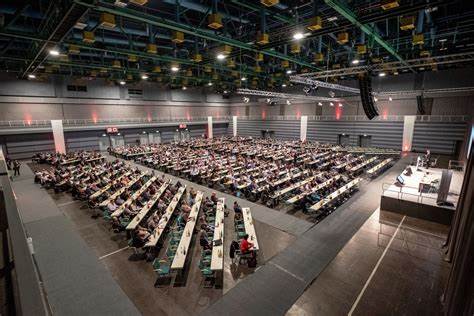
(400, 179)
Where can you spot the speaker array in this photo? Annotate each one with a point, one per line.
(365, 86)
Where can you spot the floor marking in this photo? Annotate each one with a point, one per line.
(375, 269)
(67, 203)
(286, 271)
(114, 252)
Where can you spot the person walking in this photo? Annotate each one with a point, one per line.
(16, 167)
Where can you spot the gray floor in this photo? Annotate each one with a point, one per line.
(75, 281)
(275, 287)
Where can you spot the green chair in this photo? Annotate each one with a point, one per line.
(106, 215)
(170, 253)
(241, 234)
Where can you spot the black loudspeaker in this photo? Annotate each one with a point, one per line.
(365, 86)
(421, 107)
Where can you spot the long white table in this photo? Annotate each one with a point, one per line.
(217, 258)
(249, 227)
(363, 164)
(314, 189)
(147, 208)
(183, 247)
(101, 191)
(335, 194)
(164, 220)
(121, 190)
(134, 196)
(376, 168)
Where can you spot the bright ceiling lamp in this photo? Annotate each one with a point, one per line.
(209, 84)
(340, 105)
(331, 104)
(174, 68)
(31, 76)
(144, 77)
(298, 36)
(375, 99)
(220, 56)
(289, 72)
(382, 74)
(320, 104)
(184, 88)
(283, 85)
(54, 52)
(243, 79)
(390, 99)
(122, 82)
(355, 61)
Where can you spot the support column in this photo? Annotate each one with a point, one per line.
(209, 127)
(304, 127)
(408, 130)
(58, 135)
(234, 126)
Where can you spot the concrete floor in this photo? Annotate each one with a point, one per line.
(136, 276)
(391, 265)
(408, 280)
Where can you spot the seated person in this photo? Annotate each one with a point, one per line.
(203, 241)
(237, 208)
(246, 246)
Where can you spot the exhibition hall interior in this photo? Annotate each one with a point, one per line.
(236, 157)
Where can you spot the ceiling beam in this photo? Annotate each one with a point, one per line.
(351, 16)
(188, 29)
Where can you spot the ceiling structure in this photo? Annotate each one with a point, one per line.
(233, 43)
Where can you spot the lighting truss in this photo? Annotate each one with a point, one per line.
(313, 82)
(279, 95)
(396, 65)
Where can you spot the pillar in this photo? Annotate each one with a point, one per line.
(209, 127)
(304, 127)
(408, 130)
(234, 126)
(58, 135)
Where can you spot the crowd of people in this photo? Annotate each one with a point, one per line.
(266, 170)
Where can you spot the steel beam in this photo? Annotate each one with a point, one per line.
(349, 15)
(279, 95)
(187, 29)
(332, 86)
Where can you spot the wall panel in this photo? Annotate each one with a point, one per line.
(439, 137)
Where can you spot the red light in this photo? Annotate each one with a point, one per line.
(264, 114)
(385, 114)
(338, 111)
(94, 117)
(148, 117)
(188, 116)
(298, 113)
(28, 122)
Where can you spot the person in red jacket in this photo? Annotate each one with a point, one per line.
(245, 245)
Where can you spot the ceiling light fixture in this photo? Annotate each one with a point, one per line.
(289, 71)
(31, 76)
(331, 104)
(382, 74)
(174, 68)
(390, 99)
(375, 99)
(320, 104)
(298, 35)
(355, 62)
(184, 88)
(209, 84)
(220, 56)
(144, 77)
(54, 52)
(283, 85)
(340, 105)
(243, 79)
(122, 82)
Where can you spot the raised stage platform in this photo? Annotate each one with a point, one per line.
(417, 197)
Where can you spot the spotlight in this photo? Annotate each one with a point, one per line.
(144, 77)
(298, 35)
(31, 76)
(243, 79)
(331, 104)
(122, 83)
(332, 94)
(209, 84)
(340, 105)
(246, 99)
(220, 56)
(390, 99)
(283, 85)
(355, 62)
(288, 102)
(289, 71)
(382, 74)
(269, 100)
(174, 68)
(54, 52)
(184, 88)
(375, 99)
(320, 104)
